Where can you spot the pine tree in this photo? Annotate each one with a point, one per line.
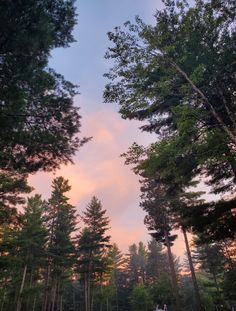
(133, 265)
(186, 95)
(24, 255)
(12, 185)
(31, 241)
(61, 248)
(117, 263)
(93, 246)
(157, 261)
(39, 122)
(212, 260)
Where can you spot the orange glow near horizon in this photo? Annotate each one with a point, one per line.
(99, 170)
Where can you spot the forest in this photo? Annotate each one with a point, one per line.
(178, 77)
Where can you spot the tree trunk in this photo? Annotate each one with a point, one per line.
(61, 303)
(74, 305)
(18, 306)
(59, 296)
(54, 292)
(30, 285)
(34, 303)
(193, 275)
(214, 113)
(45, 301)
(89, 293)
(86, 291)
(172, 271)
(117, 305)
(3, 300)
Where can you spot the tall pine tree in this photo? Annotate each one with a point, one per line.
(61, 248)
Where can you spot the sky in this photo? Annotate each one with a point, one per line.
(98, 168)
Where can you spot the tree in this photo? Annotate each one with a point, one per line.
(39, 123)
(212, 260)
(31, 241)
(117, 262)
(12, 184)
(141, 299)
(93, 246)
(161, 293)
(61, 248)
(157, 261)
(165, 200)
(185, 93)
(133, 266)
(23, 255)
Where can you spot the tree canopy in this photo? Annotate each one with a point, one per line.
(179, 77)
(39, 121)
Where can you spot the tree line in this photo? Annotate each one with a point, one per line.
(51, 261)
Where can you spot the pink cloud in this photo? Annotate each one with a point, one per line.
(99, 170)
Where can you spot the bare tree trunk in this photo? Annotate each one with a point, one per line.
(172, 272)
(86, 291)
(92, 297)
(74, 305)
(34, 303)
(89, 293)
(30, 285)
(45, 301)
(3, 300)
(194, 279)
(18, 306)
(58, 297)
(117, 305)
(61, 303)
(54, 292)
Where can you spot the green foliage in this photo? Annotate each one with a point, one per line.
(161, 292)
(61, 223)
(12, 184)
(94, 241)
(157, 261)
(141, 299)
(39, 122)
(23, 248)
(229, 285)
(178, 75)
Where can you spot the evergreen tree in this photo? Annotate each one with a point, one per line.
(141, 299)
(9, 261)
(133, 267)
(212, 260)
(39, 122)
(12, 184)
(61, 248)
(142, 258)
(93, 246)
(25, 255)
(165, 201)
(117, 264)
(157, 261)
(186, 95)
(31, 241)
